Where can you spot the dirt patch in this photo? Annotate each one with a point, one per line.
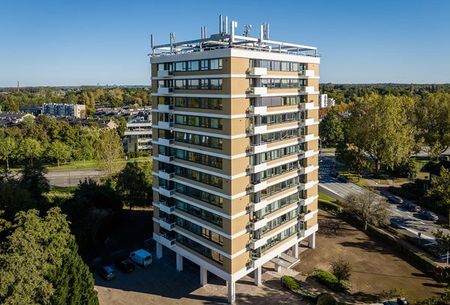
(375, 267)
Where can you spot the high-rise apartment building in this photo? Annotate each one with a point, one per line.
(235, 150)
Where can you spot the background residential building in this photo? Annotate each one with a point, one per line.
(64, 110)
(138, 133)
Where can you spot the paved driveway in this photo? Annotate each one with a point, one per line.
(162, 284)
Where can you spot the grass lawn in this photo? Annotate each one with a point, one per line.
(325, 197)
(87, 164)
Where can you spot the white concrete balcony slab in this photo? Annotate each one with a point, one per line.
(165, 192)
(165, 108)
(309, 90)
(259, 110)
(165, 240)
(309, 122)
(167, 224)
(165, 208)
(166, 175)
(164, 90)
(260, 205)
(258, 168)
(259, 187)
(308, 106)
(259, 224)
(255, 244)
(258, 129)
(258, 71)
(259, 148)
(165, 125)
(308, 137)
(164, 141)
(309, 73)
(309, 215)
(259, 90)
(166, 159)
(164, 73)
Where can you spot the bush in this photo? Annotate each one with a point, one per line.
(326, 299)
(328, 280)
(341, 269)
(290, 283)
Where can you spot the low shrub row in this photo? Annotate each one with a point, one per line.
(294, 286)
(328, 280)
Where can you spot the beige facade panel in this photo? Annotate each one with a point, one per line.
(313, 129)
(314, 67)
(314, 82)
(239, 65)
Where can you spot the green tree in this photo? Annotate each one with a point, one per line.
(34, 181)
(379, 127)
(30, 149)
(433, 114)
(38, 250)
(440, 190)
(109, 150)
(59, 151)
(133, 185)
(341, 269)
(8, 148)
(443, 242)
(331, 129)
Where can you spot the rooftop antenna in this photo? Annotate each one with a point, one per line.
(18, 86)
(220, 24)
(247, 30)
(265, 31)
(225, 25)
(152, 43)
(233, 26)
(172, 40)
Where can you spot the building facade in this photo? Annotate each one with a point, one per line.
(138, 134)
(64, 110)
(235, 150)
(325, 101)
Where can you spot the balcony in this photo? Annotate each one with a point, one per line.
(258, 148)
(308, 106)
(167, 223)
(258, 90)
(257, 71)
(165, 125)
(309, 90)
(165, 175)
(309, 73)
(166, 239)
(259, 186)
(166, 159)
(257, 129)
(165, 108)
(164, 141)
(166, 192)
(166, 206)
(164, 73)
(164, 90)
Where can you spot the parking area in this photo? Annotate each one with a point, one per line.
(161, 284)
(375, 267)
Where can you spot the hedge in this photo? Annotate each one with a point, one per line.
(294, 286)
(328, 280)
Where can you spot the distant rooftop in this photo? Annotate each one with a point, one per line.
(227, 38)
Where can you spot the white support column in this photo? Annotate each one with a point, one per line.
(231, 292)
(203, 276)
(295, 251)
(312, 241)
(179, 262)
(277, 268)
(159, 250)
(258, 276)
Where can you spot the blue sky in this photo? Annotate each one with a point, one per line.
(88, 42)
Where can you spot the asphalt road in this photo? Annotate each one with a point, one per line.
(401, 219)
(72, 177)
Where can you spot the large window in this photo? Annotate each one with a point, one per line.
(274, 65)
(192, 65)
(197, 84)
(200, 140)
(199, 102)
(199, 176)
(190, 156)
(199, 195)
(279, 187)
(275, 83)
(200, 213)
(280, 135)
(199, 121)
(200, 231)
(279, 170)
(275, 101)
(277, 153)
(207, 252)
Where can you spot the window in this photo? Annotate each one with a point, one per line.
(216, 84)
(193, 83)
(197, 121)
(204, 64)
(215, 64)
(194, 139)
(193, 65)
(180, 66)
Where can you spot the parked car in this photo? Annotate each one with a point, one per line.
(395, 199)
(141, 257)
(107, 272)
(342, 178)
(125, 265)
(411, 207)
(428, 215)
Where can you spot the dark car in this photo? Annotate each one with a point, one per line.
(341, 178)
(428, 215)
(125, 265)
(411, 207)
(107, 272)
(395, 199)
